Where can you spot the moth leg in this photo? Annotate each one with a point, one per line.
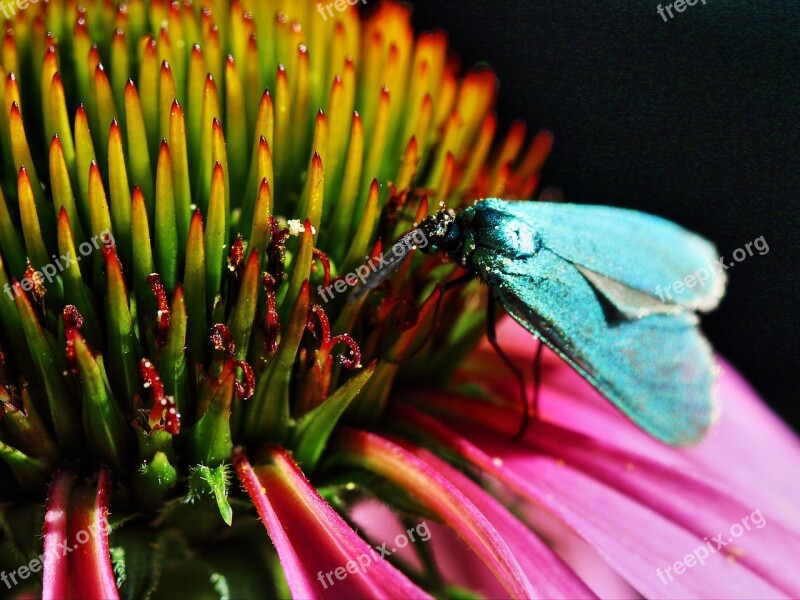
(491, 335)
(537, 377)
(457, 282)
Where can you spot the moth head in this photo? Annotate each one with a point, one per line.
(440, 232)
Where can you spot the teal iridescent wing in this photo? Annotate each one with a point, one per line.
(643, 252)
(592, 304)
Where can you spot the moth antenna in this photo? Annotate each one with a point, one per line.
(396, 255)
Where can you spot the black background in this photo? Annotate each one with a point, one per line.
(696, 119)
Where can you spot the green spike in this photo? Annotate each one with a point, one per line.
(142, 255)
(13, 245)
(166, 230)
(119, 194)
(267, 412)
(195, 289)
(74, 287)
(216, 236)
(141, 173)
(244, 312)
(180, 177)
(103, 423)
(50, 371)
(123, 349)
(211, 440)
(84, 157)
(172, 357)
(315, 428)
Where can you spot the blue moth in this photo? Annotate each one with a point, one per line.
(597, 285)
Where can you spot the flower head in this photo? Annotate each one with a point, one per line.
(189, 191)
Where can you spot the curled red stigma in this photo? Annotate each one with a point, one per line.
(326, 266)
(245, 390)
(236, 254)
(163, 314)
(272, 326)
(328, 343)
(222, 339)
(38, 290)
(276, 251)
(73, 321)
(164, 413)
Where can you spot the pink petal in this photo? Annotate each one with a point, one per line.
(442, 497)
(313, 542)
(753, 450)
(54, 573)
(547, 572)
(77, 561)
(741, 448)
(698, 503)
(633, 539)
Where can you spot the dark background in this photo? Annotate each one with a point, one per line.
(696, 119)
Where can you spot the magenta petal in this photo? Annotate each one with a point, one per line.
(550, 576)
(77, 561)
(749, 447)
(54, 572)
(313, 541)
(688, 497)
(753, 450)
(633, 539)
(441, 497)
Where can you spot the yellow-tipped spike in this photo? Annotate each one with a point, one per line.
(30, 217)
(211, 112)
(264, 130)
(23, 159)
(63, 197)
(10, 54)
(301, 100)
(139, 159)
(252, 81)
(283, 124)
(194, 111)
(119, 193)
(120, 69)
(180, 174)
(167, 253)
(480, 151)
(98, 203)
(378, 138)
(344, 210)
(142, 254)
(236, 125)
(49, 69)
(59, 119)
(106, 107)
(168, 94)
(149, 87)
(215, 236)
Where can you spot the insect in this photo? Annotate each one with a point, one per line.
(588, 282)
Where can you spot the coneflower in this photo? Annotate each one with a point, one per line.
(187, 190)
